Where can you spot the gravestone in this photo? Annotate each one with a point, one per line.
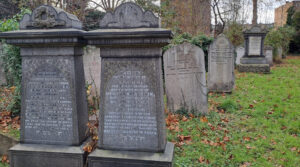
(185, 80)
(280, 53)
(240, 51)
(92, 68)
(254, 59)
(132, 125)
(54, 109)
(269, 54)
(221, 65)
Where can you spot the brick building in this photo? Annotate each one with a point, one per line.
(282, 12)
(193, 16)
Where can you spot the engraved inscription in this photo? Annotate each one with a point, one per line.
(254, 46)
(129, 119)
(221, 54)
(48, 114)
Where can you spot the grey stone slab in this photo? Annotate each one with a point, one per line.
(269, 55)
(108, 158)
(129, 15)
(254, 60)
(54, 108)
(48, 17)
(221, 65)
(254, 41)
(185, 78)
(240, 51)
(131, 105)
(6, 142)
(255, 68)
(92, 68)
(30, 155)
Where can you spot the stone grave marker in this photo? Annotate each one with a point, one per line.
(240, 51)
(54, 109)
(185, 78)
(221, 65)
(92, 68)
(132, 125)
(254, 59)
(269, 54)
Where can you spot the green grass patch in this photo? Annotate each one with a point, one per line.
(260, 125)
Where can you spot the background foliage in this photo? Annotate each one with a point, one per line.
(11, 60)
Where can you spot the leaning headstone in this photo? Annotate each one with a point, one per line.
(132, 125)
(92, 69)
(280, 53)
(54, 109)
(221, 65)
(254, 59)
(185, 80)
(240, 51)
(269, 54)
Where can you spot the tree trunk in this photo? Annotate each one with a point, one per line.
(254, 19)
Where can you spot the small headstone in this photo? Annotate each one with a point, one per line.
(54, 107)
(185, 79)
(280, 53)
(221, 65)
(254, 59)
(132, 125)
(92, 68)
(240, 51)
(269, 55)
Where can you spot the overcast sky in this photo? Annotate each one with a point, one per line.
(265, 11)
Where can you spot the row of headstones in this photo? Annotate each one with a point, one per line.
(54, 112)
(268, 52)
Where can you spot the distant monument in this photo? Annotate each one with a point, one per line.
(54, 109)
(185, 78)
(269, 54)
(132, 124)
(240, 51)
(254, 59)
(221, 65)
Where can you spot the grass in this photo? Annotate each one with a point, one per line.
(257, 125)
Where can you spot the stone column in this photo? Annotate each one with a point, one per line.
(54, 108)
(132, 125)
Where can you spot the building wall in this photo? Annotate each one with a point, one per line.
(193, 16)
(281, 12)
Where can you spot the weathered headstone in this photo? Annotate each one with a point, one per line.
(280, 53)
(254, 59)
(92, 68)
(185, 80)
(221, 65)
(240, 51)
(269, 54)
(54, 109)
(132, 125)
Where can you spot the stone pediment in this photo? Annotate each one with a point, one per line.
(129, 15)
(256, 29)
(48, 17)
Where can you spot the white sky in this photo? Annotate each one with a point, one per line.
(265, 11)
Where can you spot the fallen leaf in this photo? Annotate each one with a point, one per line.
(247, 138)
(251, 106)
(184, 119)
(203, 119)
(201, 159)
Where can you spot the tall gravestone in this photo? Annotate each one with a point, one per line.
(221, 65)
(254, 59)
(132, 125)
(54, 109)
(185, 78)
(240, 51)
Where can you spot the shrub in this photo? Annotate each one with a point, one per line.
(280, 37)
(234, 33)
(12, 61)
(229, 106)
(295, 43)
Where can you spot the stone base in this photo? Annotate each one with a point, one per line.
(253, 60)
(109, 158)
(256, 68)
(34, 155)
